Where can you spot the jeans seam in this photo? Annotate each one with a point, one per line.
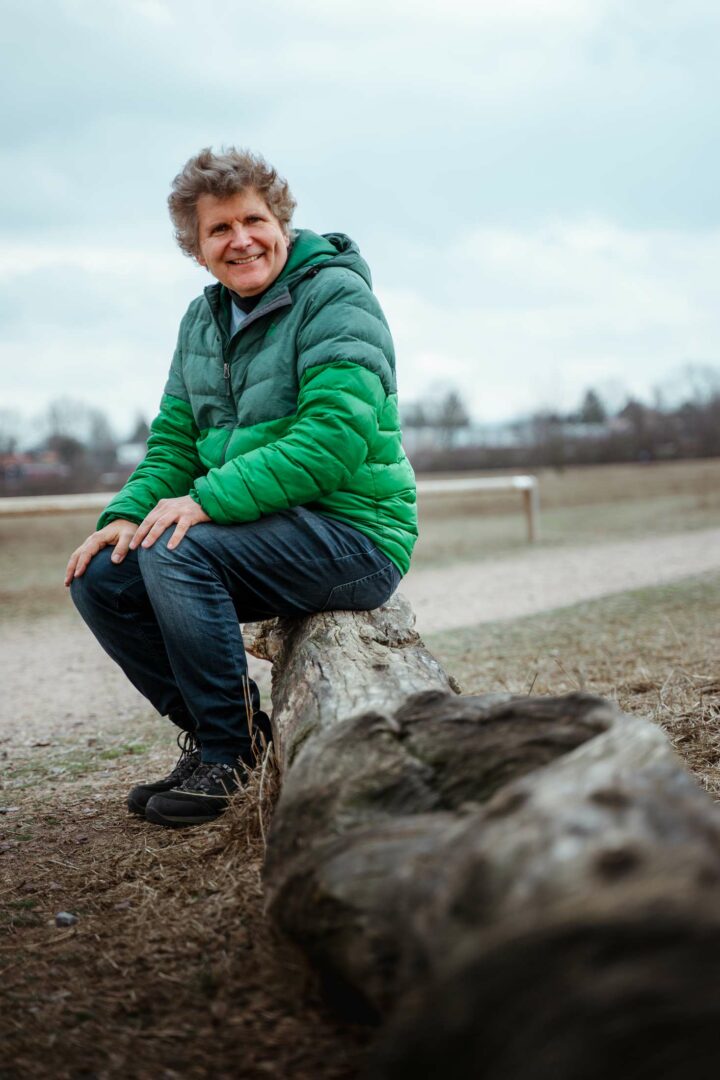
(358, 581)
(219, 588)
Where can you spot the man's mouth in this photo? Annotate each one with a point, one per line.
(244, 262)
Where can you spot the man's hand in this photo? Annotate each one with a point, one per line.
(118, 534)
(185, 511)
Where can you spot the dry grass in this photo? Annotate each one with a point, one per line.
(578, 506)
(655, 651)
(172, 969)
(34, 552)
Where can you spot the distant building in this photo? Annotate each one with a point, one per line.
(34, 468)
(130, 454)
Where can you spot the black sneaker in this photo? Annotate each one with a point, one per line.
(200, 798)
(186, 765)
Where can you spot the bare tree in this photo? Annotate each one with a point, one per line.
(82, 437)
(11, 425)
(703, 382)
(451, 416)
(101, 441)
(592, 409)
(68, 418)
(414, 415)
(141, 430)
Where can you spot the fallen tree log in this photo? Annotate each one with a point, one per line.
(526, 887)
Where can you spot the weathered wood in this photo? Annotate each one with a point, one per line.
(335, 665)
(442, 858)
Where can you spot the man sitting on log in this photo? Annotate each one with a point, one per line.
(274, 482)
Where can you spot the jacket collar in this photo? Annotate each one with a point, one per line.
(308, 254)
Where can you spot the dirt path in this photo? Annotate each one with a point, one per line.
(466, 594)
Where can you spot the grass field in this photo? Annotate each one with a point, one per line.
(577, 506)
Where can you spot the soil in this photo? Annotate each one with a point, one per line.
(170, 969)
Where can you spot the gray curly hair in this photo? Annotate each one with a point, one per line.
(224, 175)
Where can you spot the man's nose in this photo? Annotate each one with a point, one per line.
(240, 236)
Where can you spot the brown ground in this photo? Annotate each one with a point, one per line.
(171, 969)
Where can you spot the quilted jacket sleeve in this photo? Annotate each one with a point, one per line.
(171, 464)
(337, 418)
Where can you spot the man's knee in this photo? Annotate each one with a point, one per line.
(97, 583)
(161, 562)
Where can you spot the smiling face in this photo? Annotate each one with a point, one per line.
(241, 241)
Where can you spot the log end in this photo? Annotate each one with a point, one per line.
(629, 993)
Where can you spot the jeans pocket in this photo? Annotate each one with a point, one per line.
(364, 593)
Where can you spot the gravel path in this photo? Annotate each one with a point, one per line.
(465, 594)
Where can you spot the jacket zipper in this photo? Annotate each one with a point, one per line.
(281, 301)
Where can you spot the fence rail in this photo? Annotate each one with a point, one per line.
(527, 486)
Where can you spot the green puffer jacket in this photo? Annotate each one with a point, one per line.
(299, 407)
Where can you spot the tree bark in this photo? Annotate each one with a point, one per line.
(526, 887)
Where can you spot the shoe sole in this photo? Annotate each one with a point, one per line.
(157, 818)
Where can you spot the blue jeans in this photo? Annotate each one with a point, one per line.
(170, 618)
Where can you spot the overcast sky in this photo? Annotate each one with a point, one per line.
(534, 183)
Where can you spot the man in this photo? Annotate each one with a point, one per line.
(274, 483)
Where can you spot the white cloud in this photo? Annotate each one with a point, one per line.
(512, 14)
(154, 11)
(18, 260)
(555, 310)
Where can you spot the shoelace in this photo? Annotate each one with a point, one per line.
(208, 775)
(189, 748)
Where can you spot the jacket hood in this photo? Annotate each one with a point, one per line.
(311, 249)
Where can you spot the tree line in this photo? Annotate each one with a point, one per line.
(75, 448)
(72, 446)
(442, 435)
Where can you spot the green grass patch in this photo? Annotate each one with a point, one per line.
(66, 761)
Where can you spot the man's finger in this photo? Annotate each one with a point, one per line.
(121, 549)
(87, 552)
(156, 531)
(182, 528)
(142, 530)
(70, 568)
(84, 561)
